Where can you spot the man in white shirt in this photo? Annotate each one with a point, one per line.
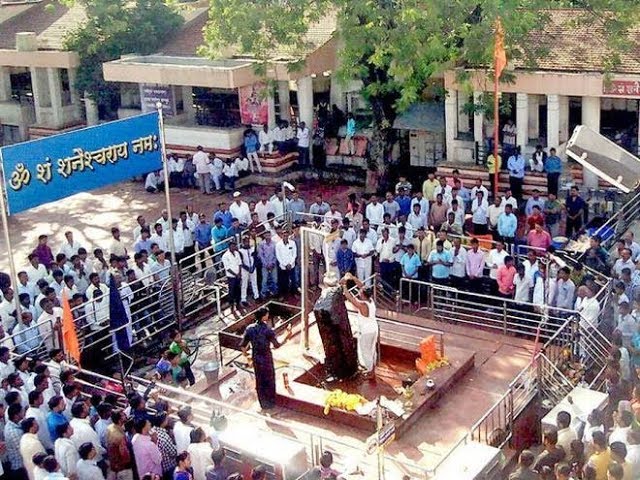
(35, 270)
(116, 247)
(265, 140)
(230, 173)
(374, 212)
(183, 428)
(82, 431)
(201, 162)
(622, 426)
(164, 220)
(625, 261)
(457, 208)
(509, 199)
(332, 214)
(417, 219)
(69, 247)
(589, 308)
(151, 182)
(443, 189)
(522, 284)
(566, 434)
(479, 188)
(215, 170)
(35, 411)
(232, 262)
(423, 202)
(386, 257)
(363, 250)
(479, 210)
(240, 209)
(263, 207)
(493, 213)
(304, 138)
(49, 322)
(87, 466)
(279, 203)
(494, 260)
(160, 237)
(249, 272)
(286, 254)
(457, 272)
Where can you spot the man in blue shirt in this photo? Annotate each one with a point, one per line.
(534, 201)
(516, 165)
(507, 224)
(553, 167)
(404, 201)
(576, 207)
(440, 261)
(218, 234)
(223, 213)
(345, 259)
(203, 234)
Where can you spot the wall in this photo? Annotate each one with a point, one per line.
(210, 138)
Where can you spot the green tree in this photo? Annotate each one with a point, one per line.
(115, 28)
(397, 47)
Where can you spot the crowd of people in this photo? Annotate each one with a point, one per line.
(55, 427)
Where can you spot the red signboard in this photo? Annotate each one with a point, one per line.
(624, 88)
(254, 107)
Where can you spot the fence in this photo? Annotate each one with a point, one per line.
(619, 223)
(202, 276)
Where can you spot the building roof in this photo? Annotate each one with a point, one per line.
(570, 44)
(428, 116)
(49, 20)
(190, 37)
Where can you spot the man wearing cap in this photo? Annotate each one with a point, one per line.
(240, 209)
(232, 262)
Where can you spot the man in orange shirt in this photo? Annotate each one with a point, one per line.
(505, 276)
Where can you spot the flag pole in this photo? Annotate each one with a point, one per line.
(165, 172)
(499, 64)
(7, 240)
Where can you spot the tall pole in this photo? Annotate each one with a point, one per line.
(496, 136)
(7, 240)
(165, 172)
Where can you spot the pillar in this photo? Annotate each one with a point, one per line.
(638, 112)
(522, 120)
(5, 84)
(91, 110)
(590, 118)
(283, 99)
(55, 90)
(463, 116)
(305, 100)
(271, 107)
(534, 118)
(478, 119)
(40, 88)
(553, 121)
(336, 92)
(451, 120)
(564, 118)
(187, 104)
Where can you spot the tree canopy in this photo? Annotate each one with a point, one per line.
(115, 28)
(396, 47)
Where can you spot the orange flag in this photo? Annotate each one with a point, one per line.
(499, 55)
(69, 336)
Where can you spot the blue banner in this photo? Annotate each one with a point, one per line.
(51, 168)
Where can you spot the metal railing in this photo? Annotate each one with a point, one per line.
(621, 221)
(503, 315)
(202, 276)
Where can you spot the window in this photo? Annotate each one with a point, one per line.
(216, 108)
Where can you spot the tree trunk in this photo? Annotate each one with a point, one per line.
(379, 161)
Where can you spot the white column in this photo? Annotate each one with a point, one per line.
(463, 116)
(40, 88)
(336, 92)
(564, 118)
(271, 102)
(590, 118)
(553, 121)
(534, 118)
(91, 110)
(5, 84)
(522, 120)
(283, 99)
(451, 120)
(187, 104)
(305, 100)
(478, 119)
(55, 90)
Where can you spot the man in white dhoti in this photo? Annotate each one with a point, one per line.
(366, 329)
